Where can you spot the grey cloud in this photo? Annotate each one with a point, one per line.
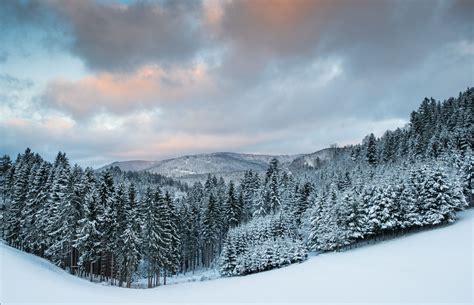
(291, 101)
(28, 26)
(21, 13)
(114, 37)
(391, 54)
(373, 36)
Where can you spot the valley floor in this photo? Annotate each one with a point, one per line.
(434, 266)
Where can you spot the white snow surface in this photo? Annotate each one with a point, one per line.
(429, 267)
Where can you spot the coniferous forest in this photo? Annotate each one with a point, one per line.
(117, 226)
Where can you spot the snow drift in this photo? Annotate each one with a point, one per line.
(434, 266)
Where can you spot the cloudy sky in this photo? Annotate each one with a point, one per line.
(116, 80)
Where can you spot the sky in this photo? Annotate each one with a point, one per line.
(106, 80)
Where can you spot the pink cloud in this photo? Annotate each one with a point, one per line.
(16, 122)
(181, 143)
(148, 86)
(51, 123)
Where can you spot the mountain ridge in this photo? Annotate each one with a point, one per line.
(205, 163)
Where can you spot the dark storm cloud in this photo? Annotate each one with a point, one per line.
(113, 36)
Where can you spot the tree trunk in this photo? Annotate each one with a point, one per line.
(120, 278)
(149, 273)
(112, 270)
(155, 270)
(71, 263)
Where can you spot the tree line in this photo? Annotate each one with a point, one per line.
(85, 222)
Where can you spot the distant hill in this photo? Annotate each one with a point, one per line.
(196, 167)
(229, 165)
(314, 160)
(130, 166)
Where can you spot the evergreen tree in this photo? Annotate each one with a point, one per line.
(131, 236)
(260, 209)
(58, 203)
(150, 234)
(120, 200)
(89, 238)
(233, 207)
(33, 213)
(228, 262)
(172, 253)
(106, 205)
(371, 150)
(18, 199)
(438, 201)
(210, 230)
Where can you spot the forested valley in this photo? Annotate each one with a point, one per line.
(116, 227)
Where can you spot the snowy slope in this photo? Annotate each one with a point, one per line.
(314, 159)
(429, 267)
(221, 163)
(132, 165)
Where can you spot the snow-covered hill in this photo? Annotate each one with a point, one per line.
(314, 159)
(429, 267)
(132, 165)
(187, 166)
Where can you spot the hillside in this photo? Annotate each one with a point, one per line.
(132, 165)
(197, 166)
(434, 266)
(315, 159)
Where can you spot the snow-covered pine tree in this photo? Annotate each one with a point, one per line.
(5, 168)
(174, 243)
(260, 208)
(233, 209)
(131, 236)
(59, 205)
(355, 218)
(316, 222)
(70, 213)
(6, 183)
(467, 170)
(29, 210)
(105, 192)
(18, 197)
(151, 234)
(120, 199)
(34, 212)
(210, 231)
(273, 190)
(438, 201)
(410, 207)
(372, 154)
(89, 237)
(302, 200)
(387, 209)
(228, 259)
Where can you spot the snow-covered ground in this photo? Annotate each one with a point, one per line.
(198, 276)
(429, 267)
